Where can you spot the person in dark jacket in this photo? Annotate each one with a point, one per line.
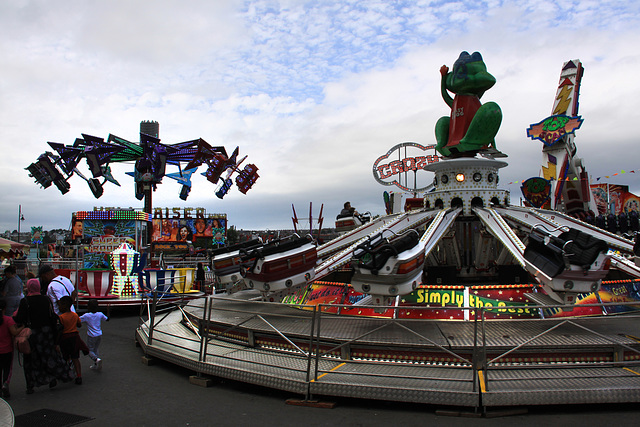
(44, 365)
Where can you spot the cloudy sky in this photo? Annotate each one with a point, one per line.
(312, 91)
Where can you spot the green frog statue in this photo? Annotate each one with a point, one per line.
(472, 125)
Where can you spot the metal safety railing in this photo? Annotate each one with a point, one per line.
(324, 344)
(250, 319)
(32, 265)
(154, 304)
(248, 322)
(371, 333)
(602, 348)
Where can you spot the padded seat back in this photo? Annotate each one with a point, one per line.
(279, 246)
(373, 257)
(546, 258)
(248, 245)
(582, 249)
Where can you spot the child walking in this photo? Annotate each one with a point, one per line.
(8, 330)
(94, 320)
(70, 341)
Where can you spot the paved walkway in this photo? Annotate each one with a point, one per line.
(128, 393)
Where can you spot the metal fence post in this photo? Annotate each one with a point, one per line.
(476, 356)
(152, 316)
(318, 322)
(483, 350)
(204, 328)
(310, 353)
(207, 324)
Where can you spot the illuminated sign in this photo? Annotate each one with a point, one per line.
(400, 166)
(184, 213)
(200, 230)
(104, 244)
(554, 128)
(477, 299)
(36, 235)
(158, 213)
(170, 246)
(112, 214)
(536, 191)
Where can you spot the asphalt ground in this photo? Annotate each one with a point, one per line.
(128, 392)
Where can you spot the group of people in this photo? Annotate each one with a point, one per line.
(55, 344)
(623, 223)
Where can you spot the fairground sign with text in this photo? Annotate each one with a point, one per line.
(554, 128)
(403, 166)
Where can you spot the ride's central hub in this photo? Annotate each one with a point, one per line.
(466, 183)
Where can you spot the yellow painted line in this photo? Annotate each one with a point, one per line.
(483, 387)
(340, 365)
(631, 337)
(631, 370)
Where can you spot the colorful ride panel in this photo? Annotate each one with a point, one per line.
(497, 301)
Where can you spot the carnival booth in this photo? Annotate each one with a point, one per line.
(127, 283)
(11, 249)
(96, 283)
(100, 232)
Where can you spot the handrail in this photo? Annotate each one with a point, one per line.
(544, 227)
(488, 365)
(387, 322)
(257, 317)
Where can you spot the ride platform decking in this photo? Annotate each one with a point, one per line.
(476, 364)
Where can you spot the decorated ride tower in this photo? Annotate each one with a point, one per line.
(565, 174)
(465, 243)
(463, 180)
(125, 262)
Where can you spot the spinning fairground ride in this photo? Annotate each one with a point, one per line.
(369, 313)
(465, 246)
(96, 234)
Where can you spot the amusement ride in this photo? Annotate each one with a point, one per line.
(466, 233)
(368, 314)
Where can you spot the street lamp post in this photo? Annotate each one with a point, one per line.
(20, 219)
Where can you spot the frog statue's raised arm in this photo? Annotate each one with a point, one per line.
(472, 125)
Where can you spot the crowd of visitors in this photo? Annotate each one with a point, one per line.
(40, 321)
(622, 223)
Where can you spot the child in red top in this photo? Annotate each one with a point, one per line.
(8, 330)
(70, 341)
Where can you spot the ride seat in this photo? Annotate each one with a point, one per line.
(272, 248)
(278, 247)
(248, 245)
(374, 256)
(545, 257)
(582, 249)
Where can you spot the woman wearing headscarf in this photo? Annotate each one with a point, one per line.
(44, 365)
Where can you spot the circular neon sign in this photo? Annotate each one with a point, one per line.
(401, 164)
